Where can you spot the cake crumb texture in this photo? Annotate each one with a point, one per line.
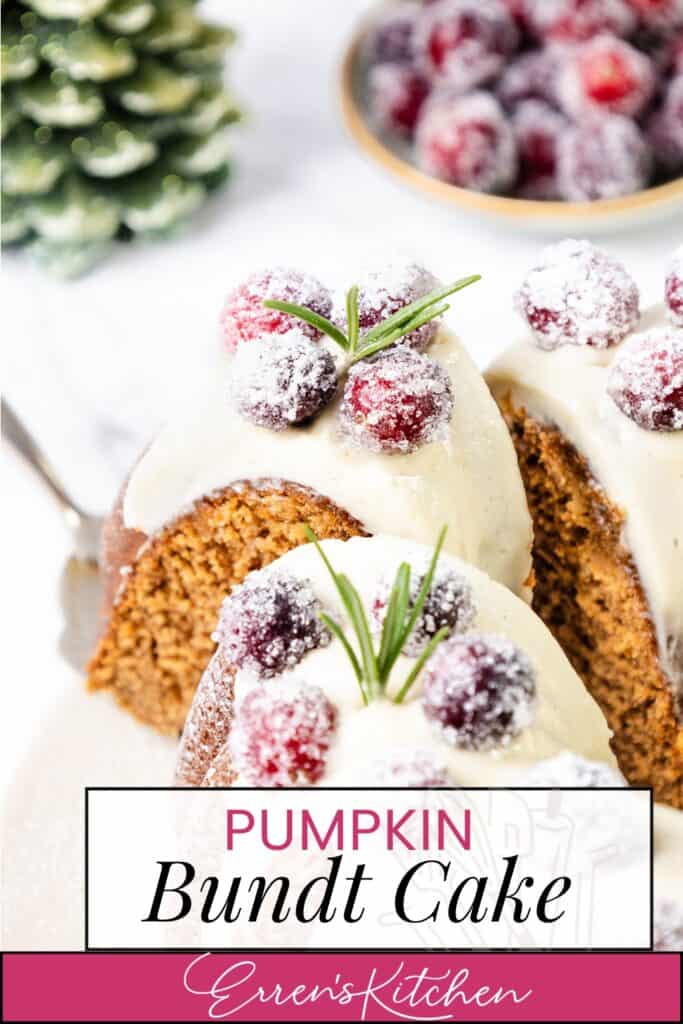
(589, 594)
(158, 640)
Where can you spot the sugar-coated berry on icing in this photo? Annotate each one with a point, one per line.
(606, 74)
(283, 380)
(604, 156)
(538, 129)
(383, 292)
(531, 76)
(467, 141)
(664, 128)
(396, 403)
(479, 691)
(465, 43)
(281, 734)
(571, 770)
(646, 379)
(449, 603)
(244, 317)
(397, 94)
(269, 622)
(673, 290)
(578, 295)
(668, 927)
(662, 15)
(407, 766)
(570, 21)
(391, 39)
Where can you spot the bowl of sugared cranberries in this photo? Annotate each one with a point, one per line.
(555, 115)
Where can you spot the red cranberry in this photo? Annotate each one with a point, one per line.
(391, 38)
(665, 128)
(659, 14)
(479, 691)
(674, 289)
(467, 141)
(465, 43)
(449, 604)
(538, 129)
(269, 623)
(606, 74)
(668, 927)
(397, 92)
(578, 295)
(286, 379)
(603, 157)
(396, 403)
(570, 21)
(646, 379)
(530, 77)
(384, 292)
(282, 734)
(569, 770)
(409, 767)
(244, 317)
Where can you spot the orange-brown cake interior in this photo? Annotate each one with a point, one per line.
(588, 592)
(157, 640)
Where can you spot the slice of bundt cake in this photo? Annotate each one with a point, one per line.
(377, 661)
(596, 415)
(356, 421)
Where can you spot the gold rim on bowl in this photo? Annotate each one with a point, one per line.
(502, 206)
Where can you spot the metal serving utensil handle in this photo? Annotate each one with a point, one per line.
(15, 432)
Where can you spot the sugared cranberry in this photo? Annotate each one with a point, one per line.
(659, 14)
(479, 691)
(465, 43)
(533, 76)
(391, 38)
(569, 770)
(467, 141)
(383, 292)
(283, 380)
(665, 128)
(603, 157)
(673, 291)
(570, 21)
(396, 403)
(646, 379)
(410, 767)
(449, 604)
(397, 93)
(244, 317)
(668, 927)
(606, 74)
(578, 295)
(538, 129)
(281, 735)
(269, 622)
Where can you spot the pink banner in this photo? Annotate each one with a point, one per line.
(341, 987)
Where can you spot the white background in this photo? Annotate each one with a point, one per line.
(95, 366)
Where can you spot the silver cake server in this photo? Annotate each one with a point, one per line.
(80, 586)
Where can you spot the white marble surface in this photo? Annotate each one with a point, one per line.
(96, 365)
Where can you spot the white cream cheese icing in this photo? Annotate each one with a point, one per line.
(640, 470)
(470, 480)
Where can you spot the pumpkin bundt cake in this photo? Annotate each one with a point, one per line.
(593, 399)
(367, 418)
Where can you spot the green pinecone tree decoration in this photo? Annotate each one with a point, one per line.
(113, 123)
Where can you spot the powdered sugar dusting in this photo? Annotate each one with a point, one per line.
(282, 380)
(383, 292)
(646, 379)
(674, 289)
(479, 691)
(570, 770)
(244, 318)
(208, 722)
(578, 295)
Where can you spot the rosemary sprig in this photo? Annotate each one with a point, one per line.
(372, 668)
(383, 334)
